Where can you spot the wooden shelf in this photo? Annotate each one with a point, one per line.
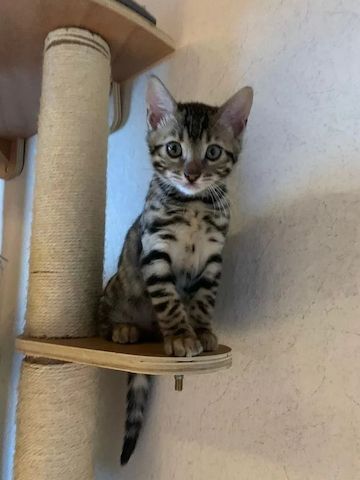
(134, 42)
(145, 358)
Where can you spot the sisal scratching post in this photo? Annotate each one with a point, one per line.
(55, 423)
(69, 207)
(57, 402)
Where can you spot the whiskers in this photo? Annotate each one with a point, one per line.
(177, 176)
(166, 189)
(170, 191)
(220, 201)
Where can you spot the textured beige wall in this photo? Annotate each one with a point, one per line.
(289, 409)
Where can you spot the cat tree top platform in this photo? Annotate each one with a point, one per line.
(147, 358)
(134, 42)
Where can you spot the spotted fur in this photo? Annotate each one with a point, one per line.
(170, 266)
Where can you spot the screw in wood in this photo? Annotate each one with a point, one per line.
(179, 379)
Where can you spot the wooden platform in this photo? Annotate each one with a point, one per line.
(134, 42)
(147, 358)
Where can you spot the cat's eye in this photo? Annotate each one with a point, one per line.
(174, 149)
(213, 152)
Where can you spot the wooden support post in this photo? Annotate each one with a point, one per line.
(11, 158)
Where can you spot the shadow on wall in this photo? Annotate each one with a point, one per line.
(109, 434)
(289, 307)
(292, 261)
(13, 286)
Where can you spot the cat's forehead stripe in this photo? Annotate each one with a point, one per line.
(196, 118)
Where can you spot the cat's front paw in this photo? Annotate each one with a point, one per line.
(125, 333)
(208, 340)
(184, 345)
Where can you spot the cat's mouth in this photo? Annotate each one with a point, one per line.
(186, 187)
(189, 188)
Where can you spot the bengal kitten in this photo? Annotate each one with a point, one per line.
(170, 266)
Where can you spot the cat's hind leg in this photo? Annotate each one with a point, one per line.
(118, 314)
(125, 333)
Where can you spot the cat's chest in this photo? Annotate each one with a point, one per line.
(189, 235)
(190, 249)
(193, 246)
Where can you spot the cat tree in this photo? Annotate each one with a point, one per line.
(58, 387)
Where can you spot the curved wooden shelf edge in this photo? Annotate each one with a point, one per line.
(147, 358)
(134, 42)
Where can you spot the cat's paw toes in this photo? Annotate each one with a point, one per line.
(208, 340)
(125, 333)
(182, 345)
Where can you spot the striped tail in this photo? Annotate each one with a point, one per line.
(137, 396)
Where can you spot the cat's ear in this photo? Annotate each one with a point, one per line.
(160, 103)
(235, 112)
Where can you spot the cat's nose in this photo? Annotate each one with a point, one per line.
(192, 177)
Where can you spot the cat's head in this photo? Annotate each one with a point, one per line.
(194, 146)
